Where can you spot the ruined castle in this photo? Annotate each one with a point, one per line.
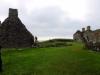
(13, 33)
(88, 36)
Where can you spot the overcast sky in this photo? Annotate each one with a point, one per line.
(54, 18)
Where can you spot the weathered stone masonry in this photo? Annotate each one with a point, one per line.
(13, 32)
(89, 37)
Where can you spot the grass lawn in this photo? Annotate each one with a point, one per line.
(71, 60)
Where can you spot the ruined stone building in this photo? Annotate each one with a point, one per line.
(77, 36)
(88, 35)
(13, 32)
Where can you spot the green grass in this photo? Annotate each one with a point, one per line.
(70, 60)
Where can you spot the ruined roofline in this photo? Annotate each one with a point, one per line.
(88, 28)
(77, 32)
(13, 12)
(83, 29)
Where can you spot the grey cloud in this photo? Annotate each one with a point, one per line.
(48, 22)
(51, 21)
(49, 15)
(93, 18)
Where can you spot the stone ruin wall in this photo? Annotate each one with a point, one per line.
(88, 34)
(13, 32)
(77, 36)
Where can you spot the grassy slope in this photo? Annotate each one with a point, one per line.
(71, 60)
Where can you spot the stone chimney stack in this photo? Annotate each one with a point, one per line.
(13, 12)
(83, 29)
(88, 28)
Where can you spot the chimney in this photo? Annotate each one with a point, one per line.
(83, 29)
(88, 28)
(13, 12)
